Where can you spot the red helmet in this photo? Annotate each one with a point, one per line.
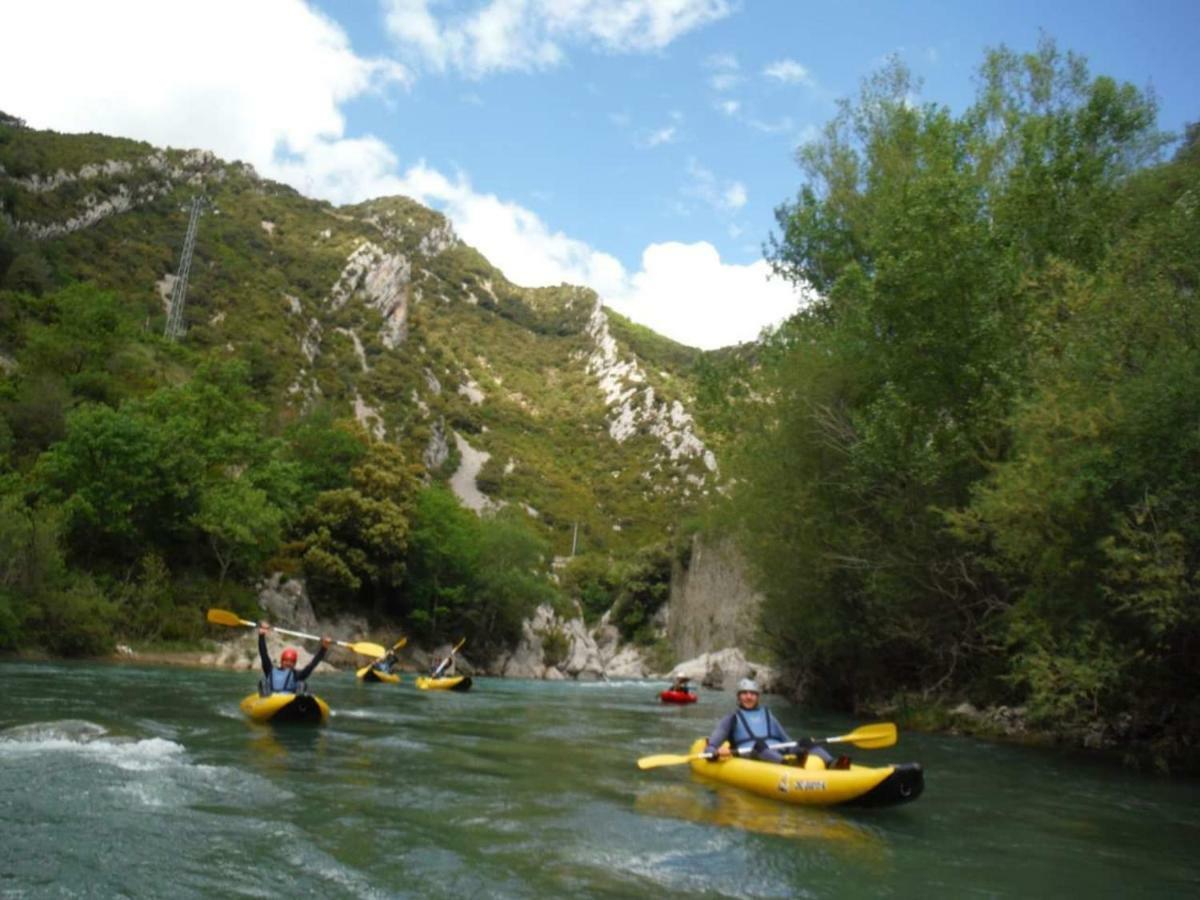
(287, 656)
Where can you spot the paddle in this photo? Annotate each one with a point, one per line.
(396, 646)
(225, 617)
(868, 737)
(445, 662)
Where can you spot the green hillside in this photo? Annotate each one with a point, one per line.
(372, 320)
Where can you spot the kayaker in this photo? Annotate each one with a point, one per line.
(387, 664)
(442, 668)
(751, 729)
(285, 678)
(681, 685)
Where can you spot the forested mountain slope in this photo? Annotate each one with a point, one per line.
(573, 420)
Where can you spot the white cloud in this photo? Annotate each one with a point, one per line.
(729, 107)
(734, 196)
(779, 126)
(525, 35)
(688, 293)
(789, 72)
(661, 136)
(512, 237)
(127, 68)
(726, 71)
(705, 186)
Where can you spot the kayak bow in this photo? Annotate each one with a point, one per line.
(307, 709)
(457, 683)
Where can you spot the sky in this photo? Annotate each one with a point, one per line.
(639, 147)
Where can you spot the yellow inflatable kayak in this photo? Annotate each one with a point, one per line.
(304, 708)
(813, 784)
(456, 683)
(367, 674)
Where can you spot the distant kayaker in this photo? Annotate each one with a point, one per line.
(284, 679)
(681, 685)
(751, 729)
(443, 667)
(387, 664)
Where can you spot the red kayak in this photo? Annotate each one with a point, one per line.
(677, 697)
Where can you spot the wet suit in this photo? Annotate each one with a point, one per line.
(284, 681)
(385, 665)
(749, 731)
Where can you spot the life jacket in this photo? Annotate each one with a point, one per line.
(283, 681)
(754, 725)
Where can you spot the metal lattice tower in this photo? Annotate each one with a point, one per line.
(174, 329)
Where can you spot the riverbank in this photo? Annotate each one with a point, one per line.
(1121, 742)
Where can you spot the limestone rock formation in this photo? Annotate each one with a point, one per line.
(722, 669)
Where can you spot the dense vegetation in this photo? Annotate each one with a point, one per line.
(142, 480)
(974, 468)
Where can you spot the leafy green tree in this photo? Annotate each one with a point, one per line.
(325, 449)
(356, 538)
(240, 522)
(43, 602)
(443, 560)
(512, 579)
(932, 242)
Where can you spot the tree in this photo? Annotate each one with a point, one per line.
(356, 538)
(241, 523)
(936, 245)
(442, 562)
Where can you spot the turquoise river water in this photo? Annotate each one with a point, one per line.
(132, 781)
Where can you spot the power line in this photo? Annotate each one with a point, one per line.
(174, 329)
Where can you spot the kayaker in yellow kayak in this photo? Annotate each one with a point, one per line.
(751, 729)
(387, 664)
(284, 679)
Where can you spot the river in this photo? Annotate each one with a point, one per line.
(134, 781)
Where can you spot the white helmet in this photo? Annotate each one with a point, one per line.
(748, 684)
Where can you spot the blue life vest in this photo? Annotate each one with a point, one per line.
(753, 725)
(283, 681)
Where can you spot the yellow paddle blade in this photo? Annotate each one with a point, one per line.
(225, 617)
(868, 737)
(665, 759)
(366, 648)
(400, 643)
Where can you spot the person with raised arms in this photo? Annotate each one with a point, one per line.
(751, 729)
(284, 679)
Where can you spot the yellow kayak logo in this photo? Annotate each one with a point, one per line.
(799, 784)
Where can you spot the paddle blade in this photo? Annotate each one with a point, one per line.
(225, 617)
(400, 643)
(366, 648)
(665, 759)
(868, 737)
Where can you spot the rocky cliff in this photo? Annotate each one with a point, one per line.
(712, 602)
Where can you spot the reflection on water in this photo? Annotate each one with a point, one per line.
(729, 807)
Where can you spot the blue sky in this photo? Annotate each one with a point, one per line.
(638, 146)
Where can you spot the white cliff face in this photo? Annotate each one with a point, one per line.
(381, 280)
(632, 403)
(722, 669)
(591, 655)
(369, 418)
(713, 602)
(162, 176)
(462, 482)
